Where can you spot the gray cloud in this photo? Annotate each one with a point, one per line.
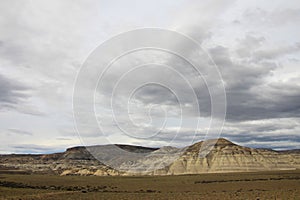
(43, 44)
(12, 92)
(278, 134)
(19, 132)
(250, 96)
(272, 54)
(272, 18)
(33, 148)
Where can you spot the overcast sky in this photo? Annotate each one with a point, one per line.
(254, 44)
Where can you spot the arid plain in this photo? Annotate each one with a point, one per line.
(251, 185)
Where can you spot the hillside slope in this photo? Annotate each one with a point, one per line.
(224, 156)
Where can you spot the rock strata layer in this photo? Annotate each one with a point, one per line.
(223, 156)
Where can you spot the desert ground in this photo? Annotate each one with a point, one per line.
(249, 185)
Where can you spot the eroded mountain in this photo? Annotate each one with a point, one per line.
(102, 160)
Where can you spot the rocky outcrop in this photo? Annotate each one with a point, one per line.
(226, 156)
(223, 156)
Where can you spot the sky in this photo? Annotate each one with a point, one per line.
(250, 48)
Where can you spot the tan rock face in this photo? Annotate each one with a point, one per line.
(224, 156)
(228, 157)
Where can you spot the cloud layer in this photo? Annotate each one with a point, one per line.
(255, 46)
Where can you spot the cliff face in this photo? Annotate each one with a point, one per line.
(224, 156)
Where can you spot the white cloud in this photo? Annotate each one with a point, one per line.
(43, 44)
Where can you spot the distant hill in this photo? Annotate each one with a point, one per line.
(222, 156)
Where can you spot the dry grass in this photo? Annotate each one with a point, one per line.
(258, 185)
